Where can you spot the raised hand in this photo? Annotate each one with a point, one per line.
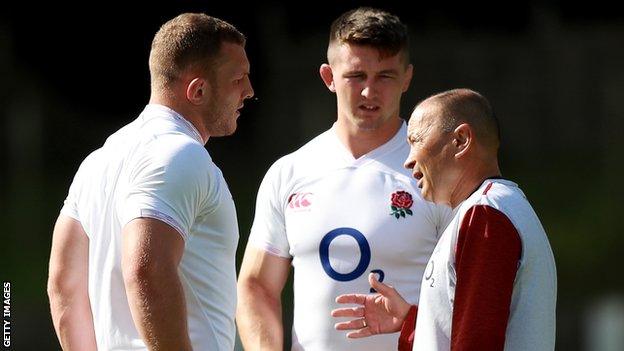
(379, 313)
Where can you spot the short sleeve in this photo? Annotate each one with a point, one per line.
(170, 182)
(70, 205)
(268, 231)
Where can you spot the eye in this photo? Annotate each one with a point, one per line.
(355, 76)
(415, 139)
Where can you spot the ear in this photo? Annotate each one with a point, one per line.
(463, 137)
(328, 77)
(408, 77)
(197, 90)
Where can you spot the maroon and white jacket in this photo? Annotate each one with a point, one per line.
(491, 282)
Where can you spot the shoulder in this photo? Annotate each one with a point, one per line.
(502, 195)
(314, 151)
(91, 165)
(173, 159)
(177, 150)
(303, 161)
(498, 200)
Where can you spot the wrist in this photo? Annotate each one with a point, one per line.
(403, 310)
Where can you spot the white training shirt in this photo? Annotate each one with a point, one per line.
(157, 167)
(332, 215)
(531, 321)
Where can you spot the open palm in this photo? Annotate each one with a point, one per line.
(379, 313)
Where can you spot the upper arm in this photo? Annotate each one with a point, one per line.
(268, 232)
(488, 252)
(69, 257)
(150, 248)
(260, 269)
(266, 263)
(170, 183)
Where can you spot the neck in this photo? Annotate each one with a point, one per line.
(361, 141)
(472, 176)
(185, 111)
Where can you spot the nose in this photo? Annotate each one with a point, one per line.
(366, 92)
(369, 91)
(249, 92)
(410, 163)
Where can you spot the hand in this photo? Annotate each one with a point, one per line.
(380, 313)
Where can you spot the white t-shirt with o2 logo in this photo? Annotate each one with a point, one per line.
(340, 218)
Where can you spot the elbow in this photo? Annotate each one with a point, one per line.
(247, 286)
(134, 275)
(65, 292)
(142, 276)
(54, 289)
(60, 287)
(253, 289)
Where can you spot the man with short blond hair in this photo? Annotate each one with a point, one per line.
(143, 252)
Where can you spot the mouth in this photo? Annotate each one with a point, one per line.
(419, 176)
(369, 107)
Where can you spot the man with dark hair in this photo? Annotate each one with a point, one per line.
(143, 252)
(491, 282)
(342, 205)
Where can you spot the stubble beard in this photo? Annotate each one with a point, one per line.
(219, 121)
(369, 124)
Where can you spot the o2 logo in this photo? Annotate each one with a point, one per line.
(365, 256)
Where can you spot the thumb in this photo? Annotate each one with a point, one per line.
(381, 288)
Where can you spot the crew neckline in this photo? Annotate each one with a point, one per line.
(169, 112)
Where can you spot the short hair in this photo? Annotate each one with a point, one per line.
(370, 27)
(459, 106)
(190, 39)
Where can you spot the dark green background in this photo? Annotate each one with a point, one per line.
(553, 71)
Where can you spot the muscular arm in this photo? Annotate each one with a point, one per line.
(488, 251)
(152, 251)
(68, 286)
(259, 312)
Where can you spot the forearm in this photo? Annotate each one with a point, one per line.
(72, 319)
(68, 287)
(158, 309)
(259, 318)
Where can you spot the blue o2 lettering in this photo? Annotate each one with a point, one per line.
(365, 254)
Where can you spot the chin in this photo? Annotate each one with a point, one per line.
(231, 129)
(227, 126)
(427, 195)
(367, 123)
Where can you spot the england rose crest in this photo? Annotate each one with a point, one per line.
(401, 202)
